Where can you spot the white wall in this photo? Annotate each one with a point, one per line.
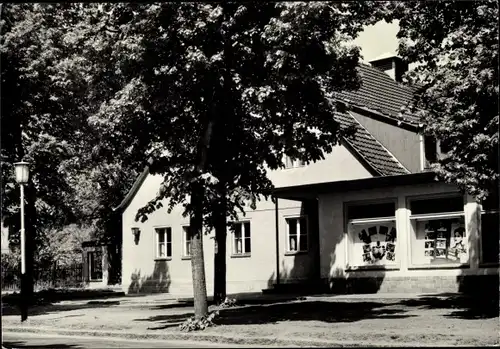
(245, 273)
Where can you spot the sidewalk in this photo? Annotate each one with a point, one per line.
(284, 320)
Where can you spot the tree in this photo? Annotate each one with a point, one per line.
(44, 113)
(455, 47)
(214, 95)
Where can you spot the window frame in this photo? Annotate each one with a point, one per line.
(357, 221)
(185, 234)
(166, 230)
(297, 218)
(412, 233)
(243, 253)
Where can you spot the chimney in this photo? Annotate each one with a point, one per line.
(390, 64)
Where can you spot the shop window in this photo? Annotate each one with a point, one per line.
(241, 238)
(438, 231)
(490, 236)
(296, 232)
(372, 234)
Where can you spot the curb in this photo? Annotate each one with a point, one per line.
(211, 338)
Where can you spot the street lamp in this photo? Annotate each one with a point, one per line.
(22, 175)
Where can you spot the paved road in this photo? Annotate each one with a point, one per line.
(41, 341)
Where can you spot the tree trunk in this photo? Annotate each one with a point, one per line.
(197, 258)
(220, 252)
(196, 229)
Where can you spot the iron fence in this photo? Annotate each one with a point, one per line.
(54, 277)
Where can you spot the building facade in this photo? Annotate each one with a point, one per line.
(367, 218)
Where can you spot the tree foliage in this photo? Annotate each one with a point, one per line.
(46, 100)
(213, 95)
(455, 47)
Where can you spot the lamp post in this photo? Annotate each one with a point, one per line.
(22, 175)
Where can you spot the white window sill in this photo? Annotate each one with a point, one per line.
(372, 267)
(241, 255)
(159, 259)
(294, 253)
(439, 266)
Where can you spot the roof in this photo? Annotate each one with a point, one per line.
(368, 148)
(131, 193)
(380, 93)
(299, 192)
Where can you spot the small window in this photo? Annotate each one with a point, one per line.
(164, 243)
(296, 234)
(241, 238)
(292, 163)
(431, 150)
(186, 241)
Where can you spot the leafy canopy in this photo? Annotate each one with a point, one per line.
(455, 47)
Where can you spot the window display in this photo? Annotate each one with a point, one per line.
(436, 239)
(372, 234)
(373, 244)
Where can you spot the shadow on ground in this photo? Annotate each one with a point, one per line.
(50, 308)
(464, 307)
(334, 310)
(18, 344)
(324, 311)
(58, 295)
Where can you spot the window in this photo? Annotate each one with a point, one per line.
(241, 238)
(296, 229)
(186, 239)
(438, 231)
(434, 150)
(292, 163)
(164, 243)
(94, 262)
(490, 236)
(431, 150)
(372, 234)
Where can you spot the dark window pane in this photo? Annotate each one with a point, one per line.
(161, 235)
(490, 237)
(188, 248)
(169, 250)
(449, 204)
(303, 243)
(303, 226)
(247, 229)
(387, 209)
(169, 235)
(292, 243)
(237, 230)
(247, 246)
(430, 146)
(292, 227)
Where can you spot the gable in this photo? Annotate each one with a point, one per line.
(402, 143)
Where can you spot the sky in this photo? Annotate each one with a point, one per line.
(378, 39)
